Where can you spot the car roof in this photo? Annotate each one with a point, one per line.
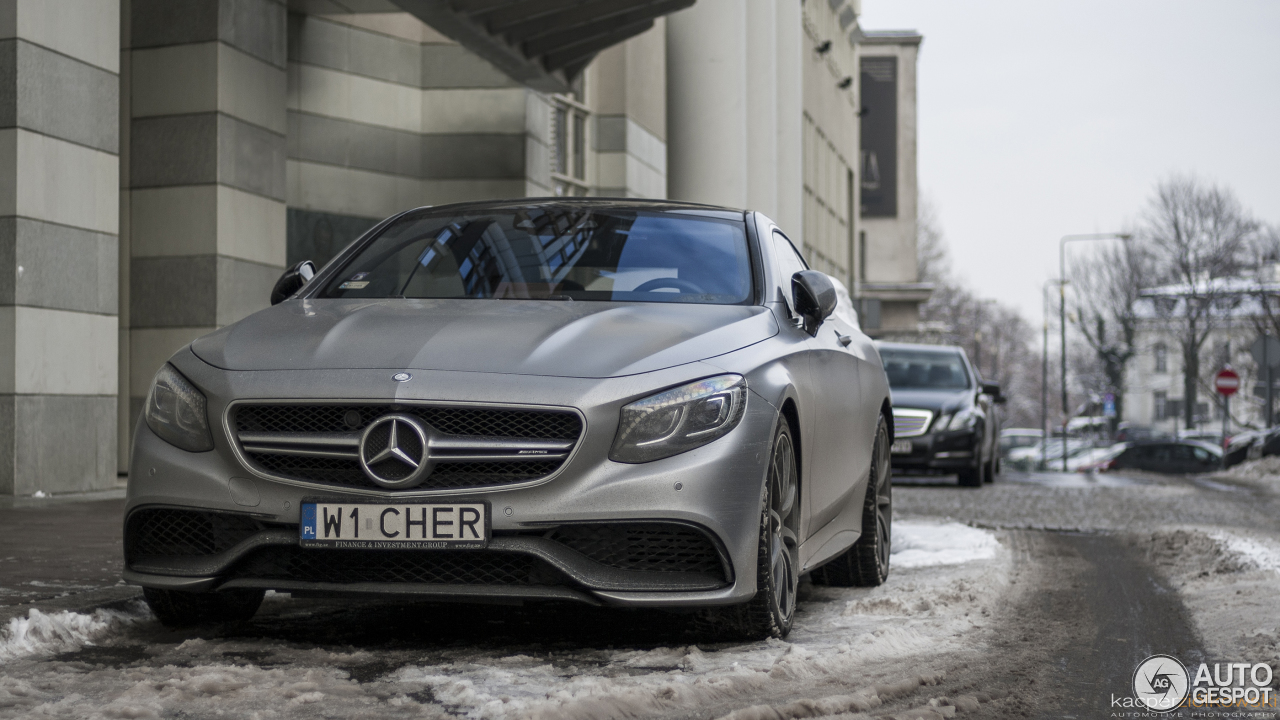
(918, 346)
(601, 203)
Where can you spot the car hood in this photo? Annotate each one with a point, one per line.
(522, 337)
(935, 400)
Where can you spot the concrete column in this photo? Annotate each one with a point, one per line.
(707, 112)
(762, 108)
(206, 171)
(790, 93)
(59, 135)
(627, 93)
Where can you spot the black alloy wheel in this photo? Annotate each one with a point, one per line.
(771, 612)
(177, 609)
(866, 563)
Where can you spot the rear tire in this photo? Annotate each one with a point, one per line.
(866, 562)
(177, 609)
(771, 612)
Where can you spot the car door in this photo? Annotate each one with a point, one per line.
(840, 453)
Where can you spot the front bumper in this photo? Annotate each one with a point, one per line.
(713, 491)
(941, 452)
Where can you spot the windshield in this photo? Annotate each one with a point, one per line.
(558, 252)
(925, 369)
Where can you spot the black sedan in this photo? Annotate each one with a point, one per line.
(945, 418)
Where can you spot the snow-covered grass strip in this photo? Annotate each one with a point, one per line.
(39, 633)
(924, 544)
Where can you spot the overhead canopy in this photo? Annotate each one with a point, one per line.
(543, 44)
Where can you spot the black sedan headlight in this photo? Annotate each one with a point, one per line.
(680, 419)
(175, 411)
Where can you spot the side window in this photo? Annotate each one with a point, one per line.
(789, 261)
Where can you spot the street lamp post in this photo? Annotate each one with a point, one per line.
(1062, 316)
(1044, 378)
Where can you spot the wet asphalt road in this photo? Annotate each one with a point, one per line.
(1095, 606)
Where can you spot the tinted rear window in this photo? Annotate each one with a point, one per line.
(925, 369)
(553, 252)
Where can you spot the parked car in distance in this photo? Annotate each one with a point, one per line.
(1243, 446)
(945, 417)
(1171, 457)
(1128, 432)
(1047, 455)
(587, 400)
(1207, 436)
(1014, 438)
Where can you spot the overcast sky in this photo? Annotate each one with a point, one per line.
(1040, 119)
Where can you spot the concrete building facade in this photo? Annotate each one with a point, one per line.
(888, 274)
(165, 160)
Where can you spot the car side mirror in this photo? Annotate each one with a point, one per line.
(292, 281)
(815, 298)
(993, 389)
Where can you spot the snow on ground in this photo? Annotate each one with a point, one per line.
(64, 631)
(1229, 582)
(922, 544)
(944, 585)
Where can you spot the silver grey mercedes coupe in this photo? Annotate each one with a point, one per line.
(614, 402)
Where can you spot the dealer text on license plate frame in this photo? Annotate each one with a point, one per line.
(334, 523)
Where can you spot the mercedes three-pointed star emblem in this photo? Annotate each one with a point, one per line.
(400, 461)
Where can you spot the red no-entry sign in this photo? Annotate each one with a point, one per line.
(1227, 382)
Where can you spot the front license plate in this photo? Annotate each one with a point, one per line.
(384, 526)
(901, 447)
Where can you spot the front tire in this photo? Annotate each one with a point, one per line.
(771, 612)
(177, 609)
(866, 563)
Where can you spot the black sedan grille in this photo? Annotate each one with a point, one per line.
(320, 443)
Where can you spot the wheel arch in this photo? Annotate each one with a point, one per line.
(886, 411)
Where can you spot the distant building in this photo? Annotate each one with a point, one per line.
(888, 275)
(167, 160)
(1155, 395)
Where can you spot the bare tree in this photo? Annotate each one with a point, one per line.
(1198, 234)
(934, 265)
(1107, 289)
(999, 341)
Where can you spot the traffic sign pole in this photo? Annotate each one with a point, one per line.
(1227, 382)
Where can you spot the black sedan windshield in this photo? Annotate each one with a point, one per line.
(924, 370)
(553, 251)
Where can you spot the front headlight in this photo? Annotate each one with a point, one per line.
(176, 411)
(964, 420)
(680, 419)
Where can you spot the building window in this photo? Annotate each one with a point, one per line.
(1162, 358)
(1162, 405)
(569, 146)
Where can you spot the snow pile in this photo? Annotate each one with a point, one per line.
(925, 544)
(64, 631)
(1254, 554)
(841, 633)
(1263, 471)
